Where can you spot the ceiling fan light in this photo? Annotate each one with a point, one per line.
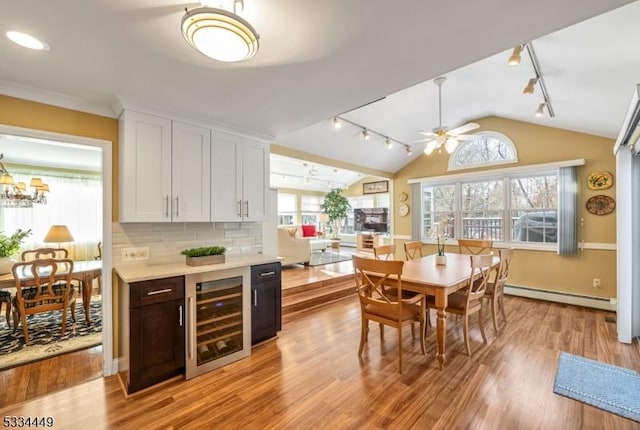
(451, 145)
(431, 146)
(515, 58)
(530, 88)
(219, 34)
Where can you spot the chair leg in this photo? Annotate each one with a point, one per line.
(494, 311)
(381, 331)
(484, 337)
(400, 349)
(363, 335)
(25, 330)
(413, 331)
(423, 327)
(8, 311)
(466, 333)
(501, 306)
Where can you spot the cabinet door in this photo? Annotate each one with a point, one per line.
(226, 194)
(190, 173)
(266, 311)
(255, 181)
(145, 168)
(156, 343)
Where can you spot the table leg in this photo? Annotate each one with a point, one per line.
(441, 325)
(87, 285)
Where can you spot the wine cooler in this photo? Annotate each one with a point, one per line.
(219, 319)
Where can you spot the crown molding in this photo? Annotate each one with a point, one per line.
(55, 99)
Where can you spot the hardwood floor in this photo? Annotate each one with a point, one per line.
(311, 377)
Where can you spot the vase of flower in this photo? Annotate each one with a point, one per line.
(439, 232)
(9, 246)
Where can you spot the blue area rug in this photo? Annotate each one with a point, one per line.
(614, 389)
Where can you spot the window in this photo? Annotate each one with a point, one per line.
(504, 208)
(287, 210)
(311, 210)
(491, 149)
(74, 200)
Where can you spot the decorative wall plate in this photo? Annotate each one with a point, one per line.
(403, 196)
(599, 180)
(601, 205)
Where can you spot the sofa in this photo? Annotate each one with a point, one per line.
(294, 247)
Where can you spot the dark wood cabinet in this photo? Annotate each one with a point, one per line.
(156, 331)
(266, 301)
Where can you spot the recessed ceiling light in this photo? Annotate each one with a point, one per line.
(27, 41)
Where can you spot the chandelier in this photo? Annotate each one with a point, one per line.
(14, 194)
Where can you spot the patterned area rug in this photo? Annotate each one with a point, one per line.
(45, 340)
(326, 257)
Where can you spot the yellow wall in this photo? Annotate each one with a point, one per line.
(537, 144)
(28, 114)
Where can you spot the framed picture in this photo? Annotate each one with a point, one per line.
(375, 187)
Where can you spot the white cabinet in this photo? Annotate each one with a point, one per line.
(239, 178)
(164, 170)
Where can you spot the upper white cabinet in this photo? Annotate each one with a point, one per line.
(239, 178)
(164, 170)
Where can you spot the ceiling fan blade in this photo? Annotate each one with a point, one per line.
(464, 128)
(468, 136)
(426, 139)
(426, 133)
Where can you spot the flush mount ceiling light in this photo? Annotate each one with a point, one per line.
(220, 34)
(26, 41)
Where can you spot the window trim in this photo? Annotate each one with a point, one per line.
(487, 174)
(493, 134)
(510, 172)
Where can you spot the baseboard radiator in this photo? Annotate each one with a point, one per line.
(562, 297)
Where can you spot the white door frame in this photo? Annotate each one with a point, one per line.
(109, 367)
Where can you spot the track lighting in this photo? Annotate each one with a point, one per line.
(530, 88)
(514, 60)
(367, 133)
(408, 149)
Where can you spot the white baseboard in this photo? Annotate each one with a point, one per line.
(562, 297)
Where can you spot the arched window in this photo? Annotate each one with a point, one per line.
(491, 149)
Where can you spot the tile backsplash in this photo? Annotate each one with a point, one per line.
(167, 240)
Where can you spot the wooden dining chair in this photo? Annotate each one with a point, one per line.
(384, 252)
(469, 300)
(44, 253)
(47, 286)
(412, 250)
(495, 290)
(372, 276)
(5, 297)
(474, 246)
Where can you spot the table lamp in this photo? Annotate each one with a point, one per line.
(58, 234)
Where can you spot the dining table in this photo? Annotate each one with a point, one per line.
(84, 271)
(423, 275)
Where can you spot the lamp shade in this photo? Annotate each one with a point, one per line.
(58, 233)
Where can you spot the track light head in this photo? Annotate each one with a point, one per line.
(388, 142)
(530, 88)
(514, 59)
(365, 134)
(336, 122)
(408, 149)
(540, 110)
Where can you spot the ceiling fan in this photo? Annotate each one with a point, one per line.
(443, 136)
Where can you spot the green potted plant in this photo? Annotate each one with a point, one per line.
(205, 255)
(9, 245)
(336, 206)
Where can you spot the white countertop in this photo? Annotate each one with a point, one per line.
(135, 272)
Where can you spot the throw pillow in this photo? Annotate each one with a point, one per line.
(308, 231)
(292, 232)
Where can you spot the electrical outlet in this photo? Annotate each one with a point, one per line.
(596, 282)
(135, 254)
